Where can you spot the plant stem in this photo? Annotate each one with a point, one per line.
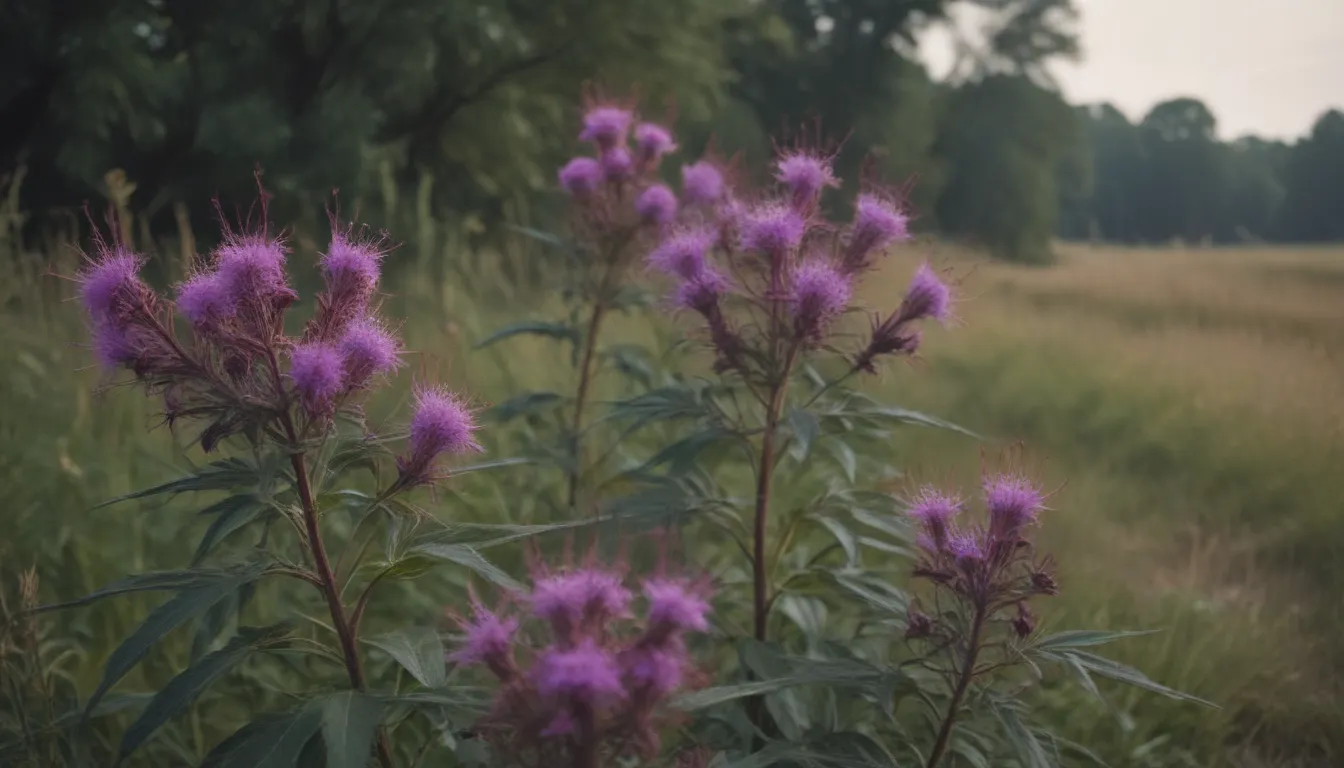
(585, 748)
(959, 692)
(581, 396)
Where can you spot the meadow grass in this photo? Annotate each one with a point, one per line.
(1187, 401)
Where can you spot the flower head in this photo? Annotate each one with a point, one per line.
(701, 182)
(577, 599)
(488, 640)
(653, 141)
(817, 294)
(772, 228)
(583, 674)
(877, 224)
(934, 511)
(441, 424)
(674, 604)
(115, 346)
(659, 669)
(683, 253)
(928, 296)
(252, 269)
(1013, 502)
(110, 282)
(581, 176)
(204, 299)
(317, 371)
(617, 163)
(367, 350)
(657, 204)
(352, 262)
(966, 547)
(606, 126)
(806, 175)
(701, 291)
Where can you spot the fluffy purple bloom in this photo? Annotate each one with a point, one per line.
(657, 204)
(1013, 502)
(367, 349)
(114, 346)
(701, 183)
(772, 228)
(877, 224)
(965, 546)
(581, 176)
(653, 141)
(204, 299)
(805, 175)
(818, 292)
(683, 254)
(659, 668)
(674, 604)
(585, 674)
(352, 262)
(927, 296)
(112, 279)
(569, 600)
(934, 511)
(701, 291)
(488, 639)
(252, 269)
(606, 126)
(318, 373)
(442, 423)
(617, 163)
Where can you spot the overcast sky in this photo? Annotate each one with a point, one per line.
(1269, 67)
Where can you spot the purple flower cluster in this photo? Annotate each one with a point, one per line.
(597, 686)
(442, 424)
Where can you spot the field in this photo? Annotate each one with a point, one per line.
(1187, 403)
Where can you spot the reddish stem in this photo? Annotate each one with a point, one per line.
(959, 692)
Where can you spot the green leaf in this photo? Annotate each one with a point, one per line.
(182, 690)
(1028, 749)
(532, 328)
(419, 650)
(157, 581)
(1099, 665)
(522, 405)
(467, 557)
(844, 456)
(842, 534)
(539, 235)
(663, 404)
(349, 722)
(842, 674)
(180, 608)
(222, 475)
(805, 428)
(270, 741)
(808, 613)
(632, 362)
(237, 515)
(1082, 638)
(906, 416)
(680, 456)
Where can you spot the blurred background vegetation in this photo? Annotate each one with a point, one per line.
(1190, 396)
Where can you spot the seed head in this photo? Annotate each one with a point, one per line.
(581, 176)
(683, 253)
(701, 182)
(606, 126)
(772, 229)
(657, 204)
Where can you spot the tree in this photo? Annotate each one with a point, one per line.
(1187, 172)
(1313, 207)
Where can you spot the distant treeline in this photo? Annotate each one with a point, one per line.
(465, 108)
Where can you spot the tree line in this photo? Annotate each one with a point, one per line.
(378, 96)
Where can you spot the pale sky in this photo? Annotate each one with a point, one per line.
(1269, 67)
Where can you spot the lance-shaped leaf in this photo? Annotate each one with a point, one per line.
(559, 331)
(222, 475)
(270, 741)
(523, 405)
(469, 558)
(419, 650)
(349, 721)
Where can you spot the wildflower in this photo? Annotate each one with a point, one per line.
(965, 547)
(204, 299)
(351, 265)
(317, 371)
(701, 182)
(606, 126)
(817, 294)
(1013, 502)
(1024, 623)
(876, 225)
(111, 284)
(657, 204)
(115, 346)
(252, 269)
(489, 641)
(581, 176)
(658, 669)
(772, 228)
(367, 350)
(934, 511)
(653, 142)
(683, 254)
(441, 424)
(927, 297)
(806, 175)
(617, 163)
(586, 674)
(674, 606)
(578, 601)
(701, 291)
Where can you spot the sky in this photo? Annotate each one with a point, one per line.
(1268, 67)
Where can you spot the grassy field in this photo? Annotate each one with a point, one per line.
(1188, 403)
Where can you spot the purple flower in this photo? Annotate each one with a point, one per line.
(805, 175)
(701, 183)
(367, 349)
(606, 126)
(204, 299)
(1013, 502)
(934, 511)
(927, 296)
(571, 600)
(581, 176)
(673, 604)
(657, 204)
(252, 269)
(683, 254)
(965, 547)
(115, 346)
(318, 374)
(489, 639)
(441, 424)
(817, 294)
(702, 291)
(772, 228)
(617, 163)
(584, 674)
(351, 262)
(109, 282)
(653, 141)
(877, 224)
(658, 668)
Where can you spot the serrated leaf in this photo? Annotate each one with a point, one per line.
(222, 475)
(417, 649)
(805, 429)
(349, 723)
(178, 694)
(559, 331)
(469, 558)
(180, 608)
(270, 741)
(522, 405)
(1082, 638)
